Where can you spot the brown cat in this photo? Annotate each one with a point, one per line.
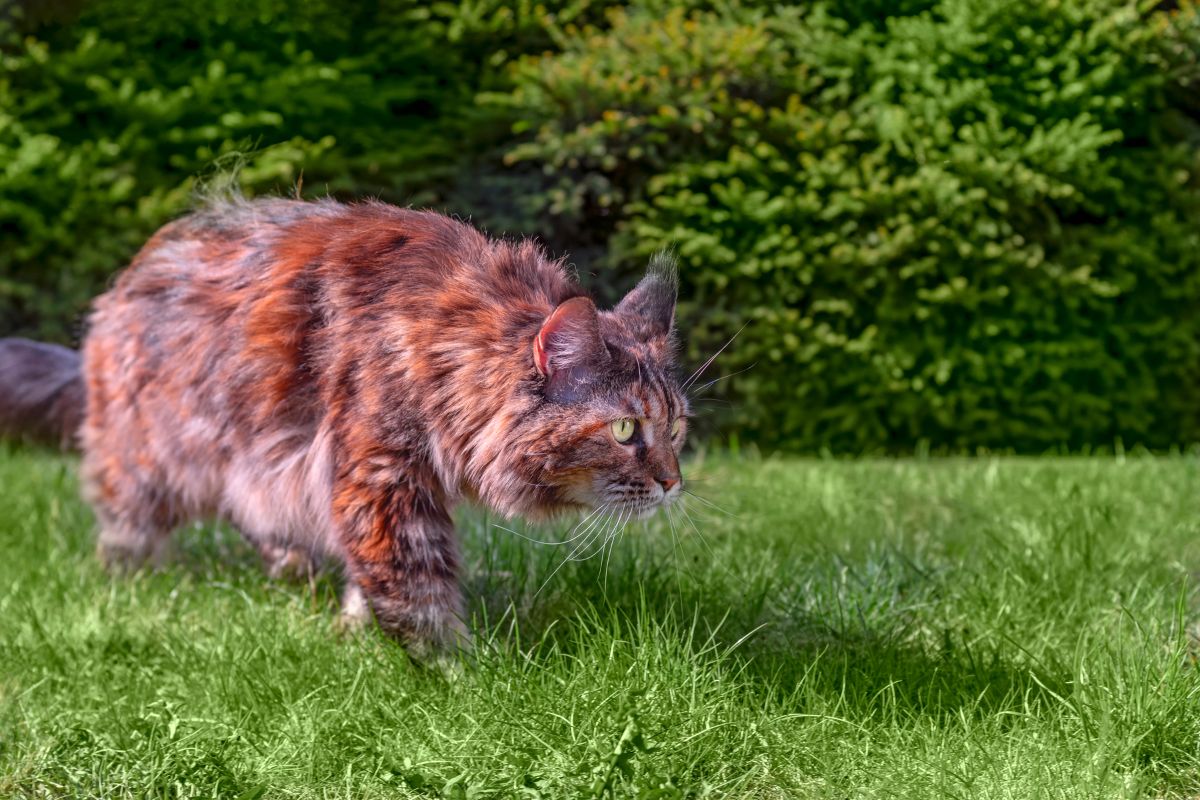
(333, 378)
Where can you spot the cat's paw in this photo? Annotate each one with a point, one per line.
(451, 667)
(291, 564)
(123, 555)
(448, 653)
(356, 610)
(443, 644)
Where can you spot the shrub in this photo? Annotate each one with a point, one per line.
(969, 223)
(976, 225)
(107, 119)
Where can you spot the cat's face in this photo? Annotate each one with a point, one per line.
(619, 414)
(629, 459)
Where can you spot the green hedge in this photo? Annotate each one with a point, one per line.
(110, 116)
(969, 223)
(978, 225)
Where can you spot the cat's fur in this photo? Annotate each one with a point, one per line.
(41, 392)
(333, 378)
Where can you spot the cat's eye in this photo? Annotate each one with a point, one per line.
(676, 426)
(622, 429)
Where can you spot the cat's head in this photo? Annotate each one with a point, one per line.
(618, 413)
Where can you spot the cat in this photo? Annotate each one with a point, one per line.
(41, 392)
(332, 378)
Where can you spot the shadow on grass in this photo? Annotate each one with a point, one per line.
(863, 635)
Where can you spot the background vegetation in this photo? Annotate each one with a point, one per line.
(940, 224)
(958, 224)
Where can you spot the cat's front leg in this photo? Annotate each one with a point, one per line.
(402, 559)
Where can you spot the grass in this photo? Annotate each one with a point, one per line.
(958, 628)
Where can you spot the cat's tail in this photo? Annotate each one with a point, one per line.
(42, 395)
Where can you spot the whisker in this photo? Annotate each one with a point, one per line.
(723, 377)
(562, 563)
(606, 560)
(710, 401)
(610, 532)
(703, 514)
(688, 517)
(675, 551)
(613, 542)
(677, 537)
(549, 543)
(589, 550)
(710, 504)
(695, 375)
(596, 534)
(574, 535)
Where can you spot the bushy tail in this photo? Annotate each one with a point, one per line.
(41, 393)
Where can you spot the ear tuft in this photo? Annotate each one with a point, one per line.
(570, 337)
(652, 301)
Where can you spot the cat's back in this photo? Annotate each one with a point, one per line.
(255, 271)
(244, 248)
(246, 297)
(255, 303)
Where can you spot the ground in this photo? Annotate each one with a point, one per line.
(926, 628)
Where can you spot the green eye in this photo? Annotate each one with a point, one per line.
(676, 426)
(622, 429)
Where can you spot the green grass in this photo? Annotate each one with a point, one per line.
(925, 629)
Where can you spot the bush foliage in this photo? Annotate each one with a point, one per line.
(107, 120)
(967, 223)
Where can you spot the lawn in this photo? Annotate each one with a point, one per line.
(920, 628)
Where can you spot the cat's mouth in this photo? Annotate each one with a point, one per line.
(628, 502)
(646, 512)
(638, 508)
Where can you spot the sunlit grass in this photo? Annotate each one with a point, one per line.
(957, 628)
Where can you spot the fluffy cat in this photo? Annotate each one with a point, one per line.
(41, 392)
(333, 378)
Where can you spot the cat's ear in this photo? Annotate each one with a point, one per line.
(652, 302)
(569, 339)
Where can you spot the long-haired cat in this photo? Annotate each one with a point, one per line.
(332, 378)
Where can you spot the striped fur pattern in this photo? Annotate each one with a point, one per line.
(333, 378)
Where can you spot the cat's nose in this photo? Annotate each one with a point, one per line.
(667, 483)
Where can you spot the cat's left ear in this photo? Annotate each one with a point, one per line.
(652, 301)
(570, 339)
